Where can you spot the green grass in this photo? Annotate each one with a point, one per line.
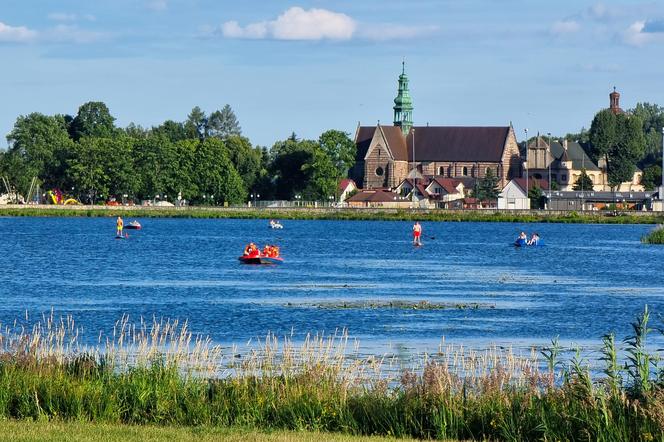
(656, 236)
(337, 214)
(58, 431)
(162, 377)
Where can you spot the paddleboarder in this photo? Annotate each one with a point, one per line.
(119, 224)
(417, 233)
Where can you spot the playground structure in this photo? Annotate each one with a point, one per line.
(57, 197)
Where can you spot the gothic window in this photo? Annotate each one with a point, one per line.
(464, 171)
(379, 171)
(441, 171)
(486, 172)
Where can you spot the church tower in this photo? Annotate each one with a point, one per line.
(403, 104)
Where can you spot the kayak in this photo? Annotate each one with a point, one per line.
(523, 243)
(260, 260)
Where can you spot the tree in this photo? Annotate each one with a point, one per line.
(223, 124)
(288, 157)
(245, 158)
(619, 140)
(93, 120)
(652, 177)
(583, 182)
(39, 146)
(652, 117)
(214, 173)
(172, 130)
(487, 188)
(537, 197)
(340, 149)
(323, 176)
(196, 124)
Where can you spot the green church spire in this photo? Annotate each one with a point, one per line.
(403, 104)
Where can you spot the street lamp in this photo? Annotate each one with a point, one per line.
(297, 199)
(204, 199)
(331, 198)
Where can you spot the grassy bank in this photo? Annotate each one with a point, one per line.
(656, 236)
(58, 431)
(160, 374)
(338, 214)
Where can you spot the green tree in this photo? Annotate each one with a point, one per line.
(196, 124)
(652, 116)
(288, 157)
(223, 124)
(619, 140)
(652, 177)
(583, 182)
(214, 173)
(245, 158)
(39, 146)
(487, 188)
(93, 120)
(323, 176)
(537, 197)
(340, 149)
(172, 130)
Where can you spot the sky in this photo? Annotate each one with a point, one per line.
(310, 65)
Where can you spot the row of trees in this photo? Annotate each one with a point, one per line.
(625, 141)
(204, 159)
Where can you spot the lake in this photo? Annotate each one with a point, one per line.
(588, 280)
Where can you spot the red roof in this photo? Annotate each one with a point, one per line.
(343, 184)
(449, 184)
(532, 183)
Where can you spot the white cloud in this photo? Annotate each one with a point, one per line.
(16, 34)
(602, 12)
(157, 5)
(635, 36)
(384, 32)
(296, 24)
(565, 27)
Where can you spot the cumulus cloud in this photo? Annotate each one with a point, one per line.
(643, 32)
(16, 34)
(565, 27)
(296, 24)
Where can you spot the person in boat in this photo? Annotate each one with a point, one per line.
(251, 250)
(522, 237)
(119, 224)
(417, 233)
(534, 240)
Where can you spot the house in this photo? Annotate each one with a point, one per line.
(433, 192)
(603, 200)
(564, 161)
(378, 198)
(345, 188)
(514, 195)
(386, 155)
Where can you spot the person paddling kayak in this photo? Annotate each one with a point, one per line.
(417, 233)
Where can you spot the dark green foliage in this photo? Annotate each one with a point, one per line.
(487, 188)
(583, 182)
(93, 120)
(619, 140)
(656, 236)
(652, 177)
(537, 197)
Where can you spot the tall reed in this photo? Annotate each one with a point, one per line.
(159, 372)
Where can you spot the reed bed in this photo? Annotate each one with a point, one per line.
(159, 372)
(655, 236)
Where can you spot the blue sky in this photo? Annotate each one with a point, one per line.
(308, 66)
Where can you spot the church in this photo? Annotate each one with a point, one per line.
(387, 155)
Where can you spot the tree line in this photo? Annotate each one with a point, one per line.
(204, 159)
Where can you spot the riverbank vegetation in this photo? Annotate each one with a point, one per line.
(336, 214)
(655, 236)
(203, 160)
(161, 374)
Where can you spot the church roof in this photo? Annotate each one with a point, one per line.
(575, 153)
(458, 143)
(439, 143)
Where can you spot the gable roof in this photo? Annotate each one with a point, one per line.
(449, 184)
(532, 183)
(343, 184)
(375, 196)
(575, 153)
(457, 143)
(438, 143)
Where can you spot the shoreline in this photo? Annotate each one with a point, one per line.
(347, 214)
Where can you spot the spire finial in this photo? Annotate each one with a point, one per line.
(403, 65)
(614, 88)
